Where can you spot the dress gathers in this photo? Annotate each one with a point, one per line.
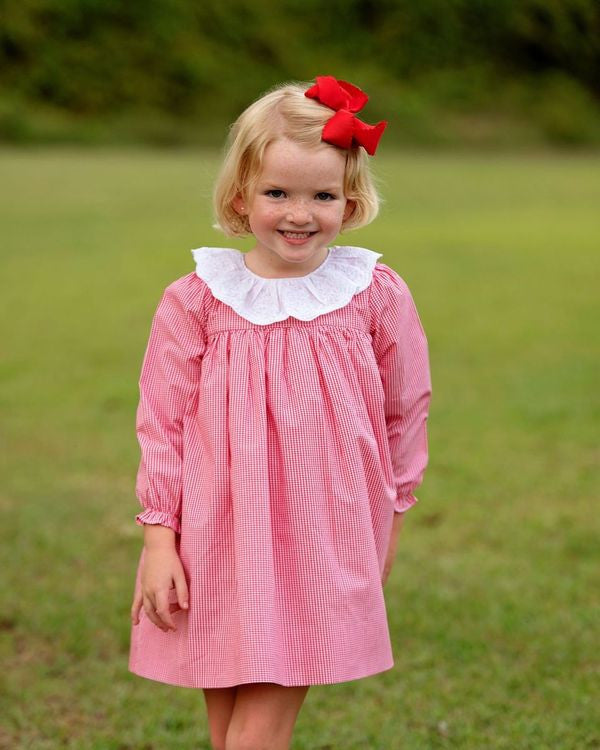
(281, 423)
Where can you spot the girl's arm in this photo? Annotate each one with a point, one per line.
(169, 380)
(401, 350)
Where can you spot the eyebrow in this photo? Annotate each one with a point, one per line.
(275, 186)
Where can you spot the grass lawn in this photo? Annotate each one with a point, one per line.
(493, 600)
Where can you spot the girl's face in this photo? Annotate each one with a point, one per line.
(298, 206)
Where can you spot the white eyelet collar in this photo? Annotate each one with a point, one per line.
(346, 271)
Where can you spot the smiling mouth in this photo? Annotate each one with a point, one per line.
(296, 235)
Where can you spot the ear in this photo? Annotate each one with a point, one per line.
(349, 209)
(239, 205)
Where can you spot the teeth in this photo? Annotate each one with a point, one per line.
(297, 235)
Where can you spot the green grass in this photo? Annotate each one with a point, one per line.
(493, 600)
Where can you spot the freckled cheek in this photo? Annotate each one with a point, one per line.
(332, 218)
(270, 216)
(265, 218)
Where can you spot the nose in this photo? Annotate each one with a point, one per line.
(299, 213)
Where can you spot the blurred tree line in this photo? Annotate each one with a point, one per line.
(177, 71)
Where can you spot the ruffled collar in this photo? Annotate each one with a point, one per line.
(346, 271)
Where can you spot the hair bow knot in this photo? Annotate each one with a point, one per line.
(344, 129)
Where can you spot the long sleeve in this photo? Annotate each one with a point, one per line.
(401, 351)
(169, 378)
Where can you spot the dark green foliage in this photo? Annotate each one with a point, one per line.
(558, 35)
(161, 63)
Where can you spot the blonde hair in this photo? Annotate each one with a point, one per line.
(284, 112)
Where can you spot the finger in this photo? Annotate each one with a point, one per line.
(182, 592)
(136, 606)
(152, 615)
(162, 609)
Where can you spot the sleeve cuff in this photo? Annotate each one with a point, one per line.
(404, 502)
(158, 517)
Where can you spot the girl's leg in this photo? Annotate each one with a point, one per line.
(263, 716)
(219, 707)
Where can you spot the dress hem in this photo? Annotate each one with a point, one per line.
(266, 678)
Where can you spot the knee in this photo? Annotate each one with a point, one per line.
(247, 744)
(251, 741)
(218, 741)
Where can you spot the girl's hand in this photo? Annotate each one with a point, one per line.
(386, 572)
(160, 570)
(393, 543)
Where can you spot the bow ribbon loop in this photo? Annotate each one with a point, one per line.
(337, 94)
(344, 129)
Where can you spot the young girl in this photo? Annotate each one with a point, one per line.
(284, 396)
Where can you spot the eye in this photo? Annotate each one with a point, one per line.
(275, 193)
(325, 196)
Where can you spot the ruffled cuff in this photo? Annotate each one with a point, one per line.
(404, 502)
(150, 516)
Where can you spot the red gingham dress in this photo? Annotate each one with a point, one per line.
(279, 452)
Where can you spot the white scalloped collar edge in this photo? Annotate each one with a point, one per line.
(346, 271)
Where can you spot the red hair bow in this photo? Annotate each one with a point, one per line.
(344, 129)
